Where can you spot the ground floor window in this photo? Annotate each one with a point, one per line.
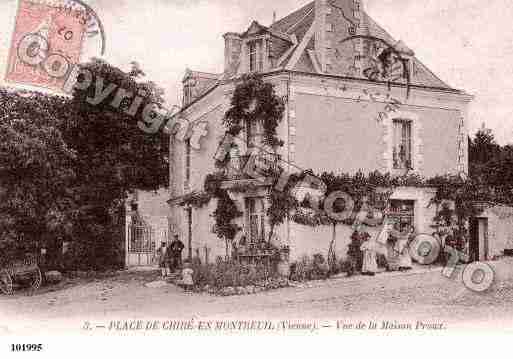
(403, 212)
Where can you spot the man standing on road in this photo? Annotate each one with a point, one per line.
(176, 249)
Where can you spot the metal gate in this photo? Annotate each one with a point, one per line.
(141, 245)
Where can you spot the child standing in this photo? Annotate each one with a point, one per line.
(187, 281)
(161, 257)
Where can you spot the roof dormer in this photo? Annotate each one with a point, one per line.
(256, 50)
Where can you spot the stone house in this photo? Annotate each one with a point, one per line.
(356, 99)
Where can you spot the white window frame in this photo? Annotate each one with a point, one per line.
(254, 52)
(416, 152)
(401, 140)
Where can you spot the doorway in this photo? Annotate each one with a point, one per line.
(478, 246)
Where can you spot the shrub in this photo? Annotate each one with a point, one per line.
(225, 274)
(345, 266)
(320, 267)
(311, 268)
(303, 270)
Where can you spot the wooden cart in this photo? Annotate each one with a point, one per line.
(26, 271)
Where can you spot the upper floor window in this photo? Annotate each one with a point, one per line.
(253, 133)
(402, 150)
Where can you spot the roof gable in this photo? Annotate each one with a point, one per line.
(254, 29)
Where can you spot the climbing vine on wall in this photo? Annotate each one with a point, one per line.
(226, 211)
(255, 100)
(375, 188)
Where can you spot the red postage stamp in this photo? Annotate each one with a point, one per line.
(46, 44)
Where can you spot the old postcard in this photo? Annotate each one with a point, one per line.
(221, 167)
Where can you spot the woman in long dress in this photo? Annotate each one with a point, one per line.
(370, 263)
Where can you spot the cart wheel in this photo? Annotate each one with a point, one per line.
(37, 279)
(6, 283)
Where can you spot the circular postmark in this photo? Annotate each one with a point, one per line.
(87, 17)
(49, 39)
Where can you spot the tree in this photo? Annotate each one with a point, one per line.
(69, 164)
(114, 157)
(482, 149)
(36, 174)
(491, 165)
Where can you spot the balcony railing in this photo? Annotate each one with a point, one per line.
(263, 164)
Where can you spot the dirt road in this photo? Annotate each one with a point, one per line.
(425, 296)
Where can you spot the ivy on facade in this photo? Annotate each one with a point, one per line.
(226, 211)
(255, 100)
(467, 196)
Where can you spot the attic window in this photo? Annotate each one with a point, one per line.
(255, 56)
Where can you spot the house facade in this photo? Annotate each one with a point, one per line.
(356, 100)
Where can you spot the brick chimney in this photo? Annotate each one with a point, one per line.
(337, 18)
(362, 30)
(232, 53)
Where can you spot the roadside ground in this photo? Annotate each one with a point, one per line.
(423, 295)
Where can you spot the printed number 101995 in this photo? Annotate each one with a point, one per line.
(26, 347)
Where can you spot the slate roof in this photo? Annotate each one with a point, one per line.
(298, 23)
(285, 24)
(301, 20)
(205, 81)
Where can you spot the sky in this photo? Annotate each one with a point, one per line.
(467, 43)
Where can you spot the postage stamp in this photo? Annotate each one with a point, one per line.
(48, 38)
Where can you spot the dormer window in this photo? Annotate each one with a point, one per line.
(252, 56)
(255, 56)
